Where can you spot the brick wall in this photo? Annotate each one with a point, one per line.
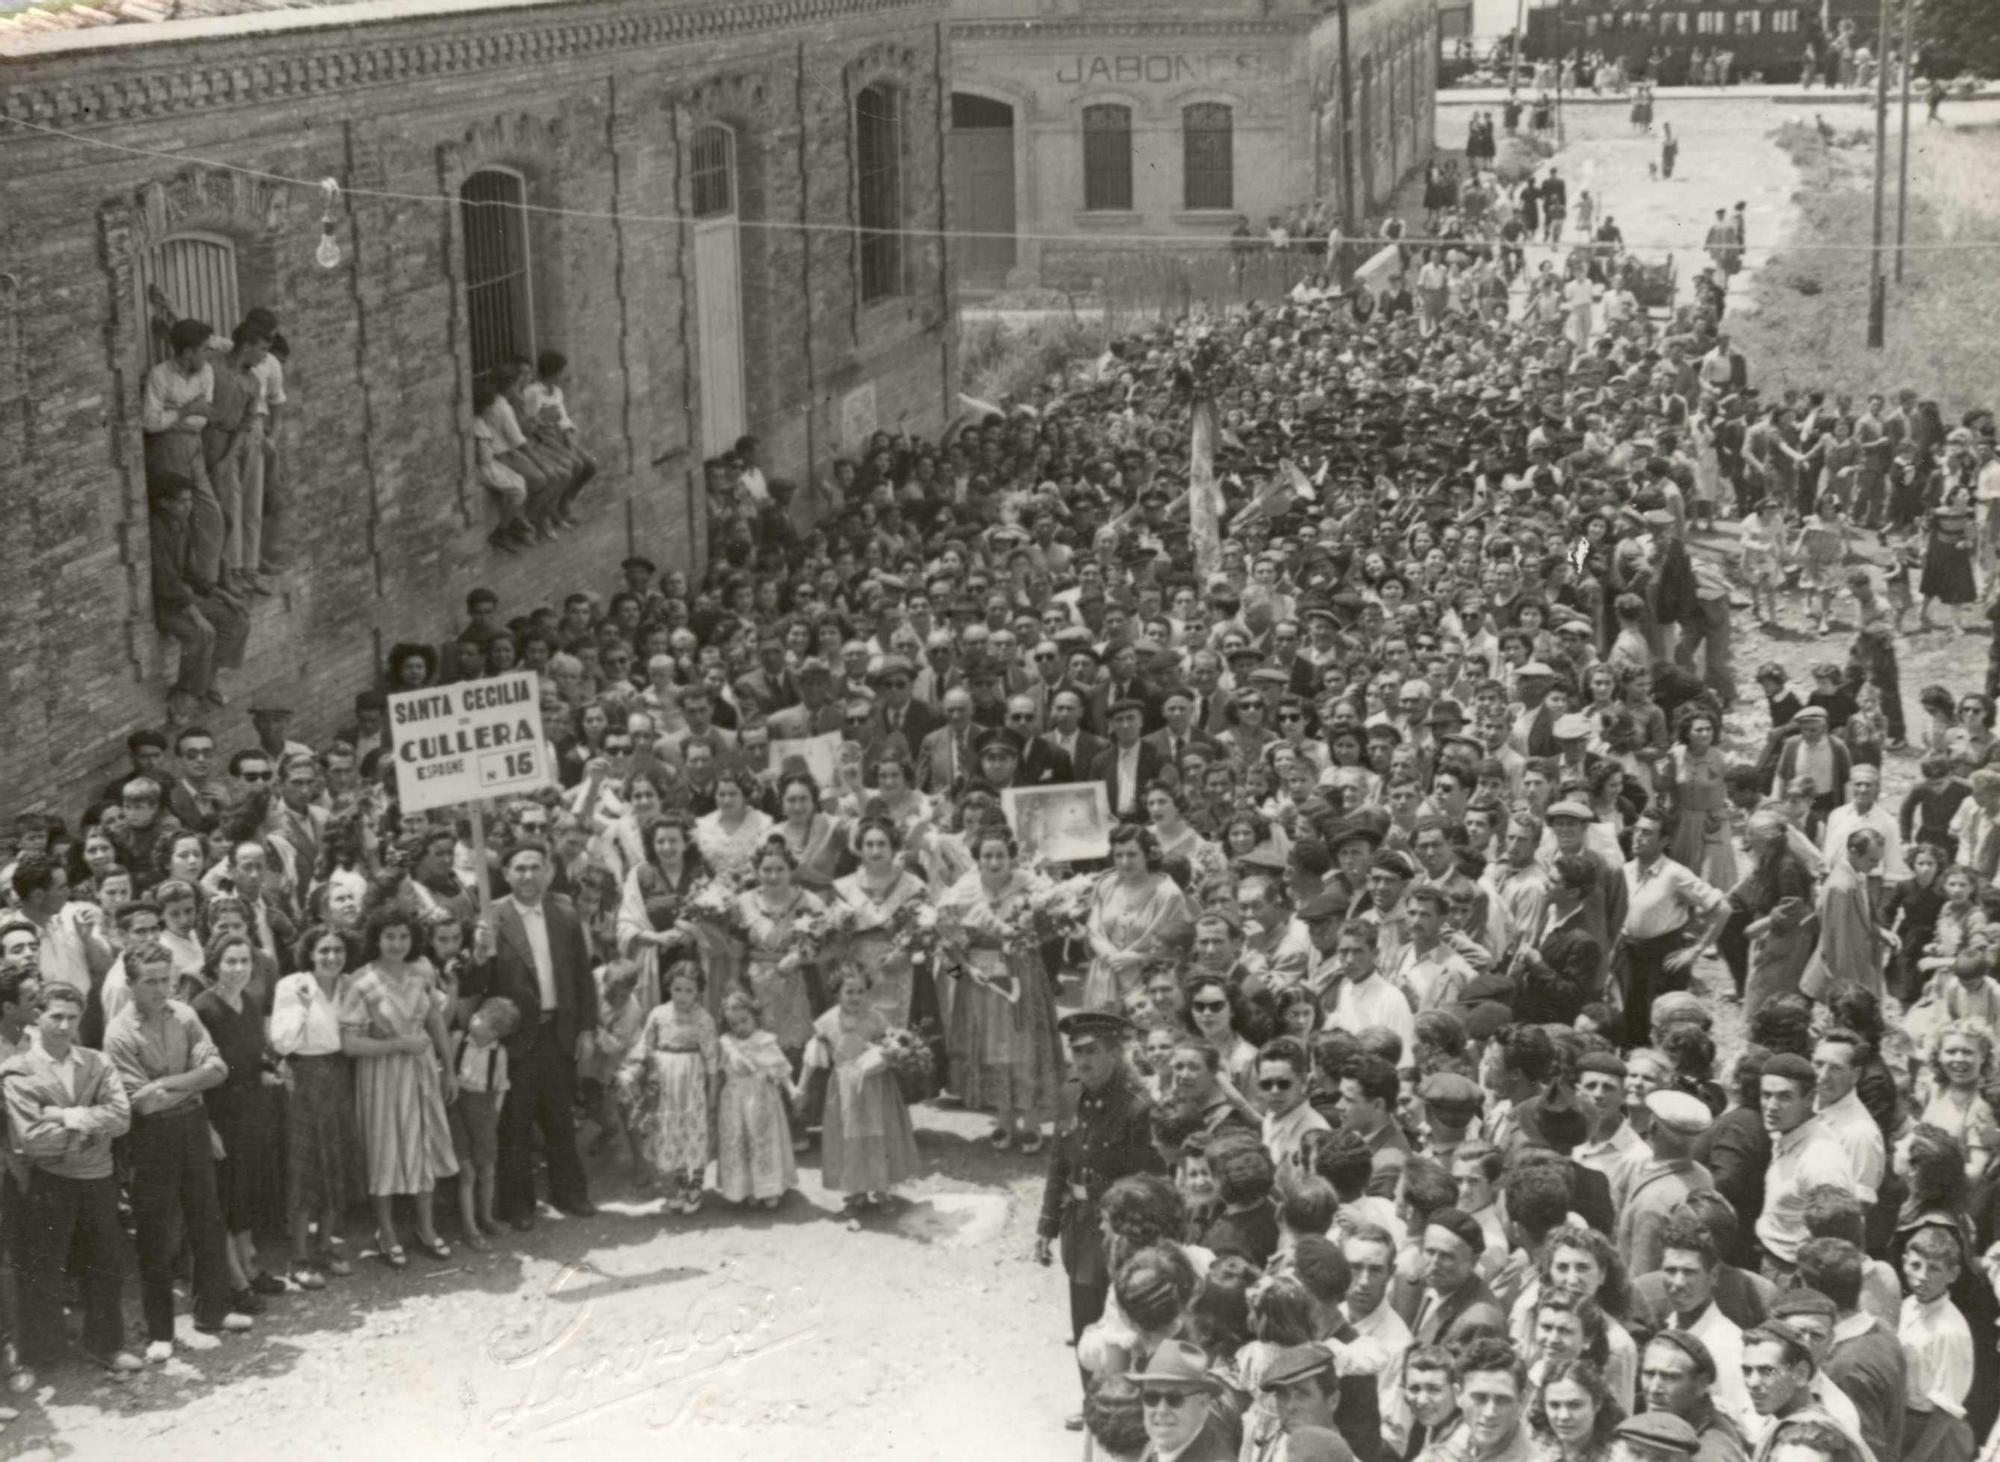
(594, 105)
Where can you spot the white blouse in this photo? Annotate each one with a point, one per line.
(305, 1021)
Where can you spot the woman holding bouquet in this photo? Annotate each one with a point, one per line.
(772, 914)
(867, 1146)
(670, 1081)
(1003, 1032)
(1136, 913)
(879, 898)
(730, 836)
(1178, 838)
(651, 905)
(815, 838)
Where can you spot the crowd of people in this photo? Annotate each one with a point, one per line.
(1388, 1114)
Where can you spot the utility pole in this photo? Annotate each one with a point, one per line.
(1562, 63)
(1349, 214)
(1903, 152)
(1877, 299)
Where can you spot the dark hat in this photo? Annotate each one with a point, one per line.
(271, 713)
(1394, 862)
(1661, 1429)
(1095, 1025)
(1245, 652)
(1604, 1063)
(1461, 1226)
(893, 665)
(1792, 1068)
(1295, 1363)
(1265, 856)
(639, 562)
(1127, 703)
(371, 700)
(1270, 675)
(1491, 986)
(1448, 1091)
(1445, 710)
(812, 667)
(1487, 1019)
(999, 739)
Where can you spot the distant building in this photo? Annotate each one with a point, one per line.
(514, 129)
(1077, 123)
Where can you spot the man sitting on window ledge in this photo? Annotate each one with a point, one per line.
(211, 625)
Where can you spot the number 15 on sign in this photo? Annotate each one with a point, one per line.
(503, 768)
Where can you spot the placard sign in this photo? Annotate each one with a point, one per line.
(459, 743)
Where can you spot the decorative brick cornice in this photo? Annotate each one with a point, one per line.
(1098, 27)
(154, 77)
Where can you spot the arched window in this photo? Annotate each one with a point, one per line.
(713, 172)
(1107, 158)
(878, 168)
(499, 295)
(1208, 156)
(190, 276)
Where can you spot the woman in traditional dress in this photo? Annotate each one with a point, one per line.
(1003, 1034)
(877, 892)
(671, 1078)
(867, 1145)
(244, 1113)
(1137, 913)
(730, 836)
(649, 909)
(778, 970)
(817, 839)
(321, 1146)
(403, 1080)
(620, 843)
(1947, 576)
(1696, 768)
(1177, 839)
(894, 795)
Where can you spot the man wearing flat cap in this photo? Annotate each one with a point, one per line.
(1106, 1134)
(1304, 1393)
(1611, 1144)
(1677, 1379)
(817, 711)
(1177, 1399)
(1456, 1306)
(1654, 1436)
(1649, 1189)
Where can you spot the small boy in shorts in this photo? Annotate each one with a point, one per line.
(480, 1061)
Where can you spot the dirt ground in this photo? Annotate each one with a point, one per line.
(781, 1336)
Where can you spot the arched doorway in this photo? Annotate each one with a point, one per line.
(718, 287)
(982, 187)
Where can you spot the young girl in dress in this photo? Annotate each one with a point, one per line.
(671, 1078)
(1898, 580)
(753, 1131)
(1762, 565)
(867, 1145)
(1821, 545)
(619, 1021)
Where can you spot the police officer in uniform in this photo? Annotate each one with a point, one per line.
(1108, 1136)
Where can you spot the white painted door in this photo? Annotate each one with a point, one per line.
(719, 325)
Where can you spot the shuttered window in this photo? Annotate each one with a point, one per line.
(1208, 156)
(712, 172)
(878, 167)
(1107, 159)
(499, 298)
(190, 276)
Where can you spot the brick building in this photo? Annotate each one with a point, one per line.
(1078, 124)
(738, 116)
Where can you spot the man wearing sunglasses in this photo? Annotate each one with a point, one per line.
(1283, 1070)
(1178, 1398)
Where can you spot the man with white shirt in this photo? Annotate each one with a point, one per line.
(1689, 1265)
(1863, 809)
(1283, 1070)
(1612, 1146)
(1836, 1063)
(1428, 971)
(531, 949)
(1804, 1154)
(1366, 999)
(73, 948)
(1370, 1252)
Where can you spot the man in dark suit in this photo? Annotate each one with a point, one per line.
(1123, 684)
(531, 949)
(1066, 736)
(1127, 766)
(816, 712)
(1041, 764)
(1456, 1305)
(897, 712)
(1173, 739)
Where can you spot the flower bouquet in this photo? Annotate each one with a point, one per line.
(908, 1056)
(913, 930)
(714, 904)
(1063, 909)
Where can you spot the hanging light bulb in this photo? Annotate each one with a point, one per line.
(328, 252)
